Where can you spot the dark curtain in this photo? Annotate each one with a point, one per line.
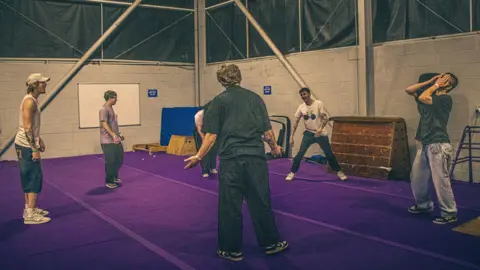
(333, 22)
(21, 33)
(406, 19)
(175, 43)
(79, 24)
(224, 24)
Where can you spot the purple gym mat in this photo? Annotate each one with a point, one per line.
(164, 217)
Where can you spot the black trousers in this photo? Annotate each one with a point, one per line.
(31, 174)
(113, 154)
(307, 141)
(209, 162)
(244, 177)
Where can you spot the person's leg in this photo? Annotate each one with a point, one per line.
(257, 195)
(31, 177)
(198, 143)
(211, 160)
(420, 183)
(332, 160)
(440, 159)
(307, 140)
(109, 155)
(230, 200)
(119, 153)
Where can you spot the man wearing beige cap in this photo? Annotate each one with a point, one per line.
(28, 146)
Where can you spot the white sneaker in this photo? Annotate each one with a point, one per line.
(290, 176)
(36, 210)
(341, 175)
(35, 218)
(205, 175)
(214, 171)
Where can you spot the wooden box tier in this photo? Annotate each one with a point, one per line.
(374, 147)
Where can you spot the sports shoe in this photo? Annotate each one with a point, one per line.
(276, 248)
(111, 185)
(444, 220)
(416, 210)
(232, 256)
(290, 176)
(214, 171)
(117, 181)
(35, 218)
(341, 175)
(36, 210)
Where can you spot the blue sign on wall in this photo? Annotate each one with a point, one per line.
(267, 90)
(152, 93)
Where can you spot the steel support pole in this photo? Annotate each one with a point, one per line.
(59, 86)
(197, 62)
(365, 80)
(120, 3)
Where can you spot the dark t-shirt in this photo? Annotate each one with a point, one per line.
(239, 118)
(434, 119)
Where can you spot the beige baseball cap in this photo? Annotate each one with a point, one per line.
(36, 77)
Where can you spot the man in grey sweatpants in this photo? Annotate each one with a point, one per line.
(434, 157)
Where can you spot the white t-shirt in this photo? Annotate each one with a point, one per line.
(315, 110)
(199, 119)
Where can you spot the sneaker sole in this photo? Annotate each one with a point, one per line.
(27, 222)
(231, 258)
(275, 251)
(444, 223)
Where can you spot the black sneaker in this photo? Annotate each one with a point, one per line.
(444, 220)
(232, 256)
(415, 210)
(276, 248)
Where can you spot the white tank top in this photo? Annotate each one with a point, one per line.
(21, 138)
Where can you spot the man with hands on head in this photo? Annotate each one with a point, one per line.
(433, 159)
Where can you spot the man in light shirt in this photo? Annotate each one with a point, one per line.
(210, 161)
(316, 119)
(28, 145)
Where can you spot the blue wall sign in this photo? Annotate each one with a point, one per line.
(152, 93)
(267, 90)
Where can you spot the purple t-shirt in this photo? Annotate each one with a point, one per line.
(107, 114)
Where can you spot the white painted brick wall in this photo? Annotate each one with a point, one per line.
(399, 65)
(60, 120)
(331, 75)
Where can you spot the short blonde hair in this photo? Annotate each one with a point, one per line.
(229, 75)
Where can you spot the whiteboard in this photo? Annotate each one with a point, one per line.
(90, 101)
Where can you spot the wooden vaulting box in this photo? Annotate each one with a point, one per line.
(374, 147)
(181, 146)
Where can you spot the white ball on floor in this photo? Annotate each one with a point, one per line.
(143, 159)
(154, 156)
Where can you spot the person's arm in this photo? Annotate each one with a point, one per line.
(266, 128)
(426, 96)
(412, 89)
(104, 122)
(298, 116)
(323, 115)
(29, 109)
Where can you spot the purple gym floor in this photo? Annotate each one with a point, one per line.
(164, 217)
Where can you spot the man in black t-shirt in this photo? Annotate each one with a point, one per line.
(434, 157)
(236, 120)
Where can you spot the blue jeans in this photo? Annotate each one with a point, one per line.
(433, 162)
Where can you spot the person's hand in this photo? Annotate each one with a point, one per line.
(277, 151)
(192, 161)
(36, 156)
(443, 80)
(42, 146)
(122, 137)
(116, 139)
(434, 78)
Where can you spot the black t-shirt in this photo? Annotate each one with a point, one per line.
(239, 118)
(434, 119)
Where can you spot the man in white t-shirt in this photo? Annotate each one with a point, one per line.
(210, 161)
(316, 120)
